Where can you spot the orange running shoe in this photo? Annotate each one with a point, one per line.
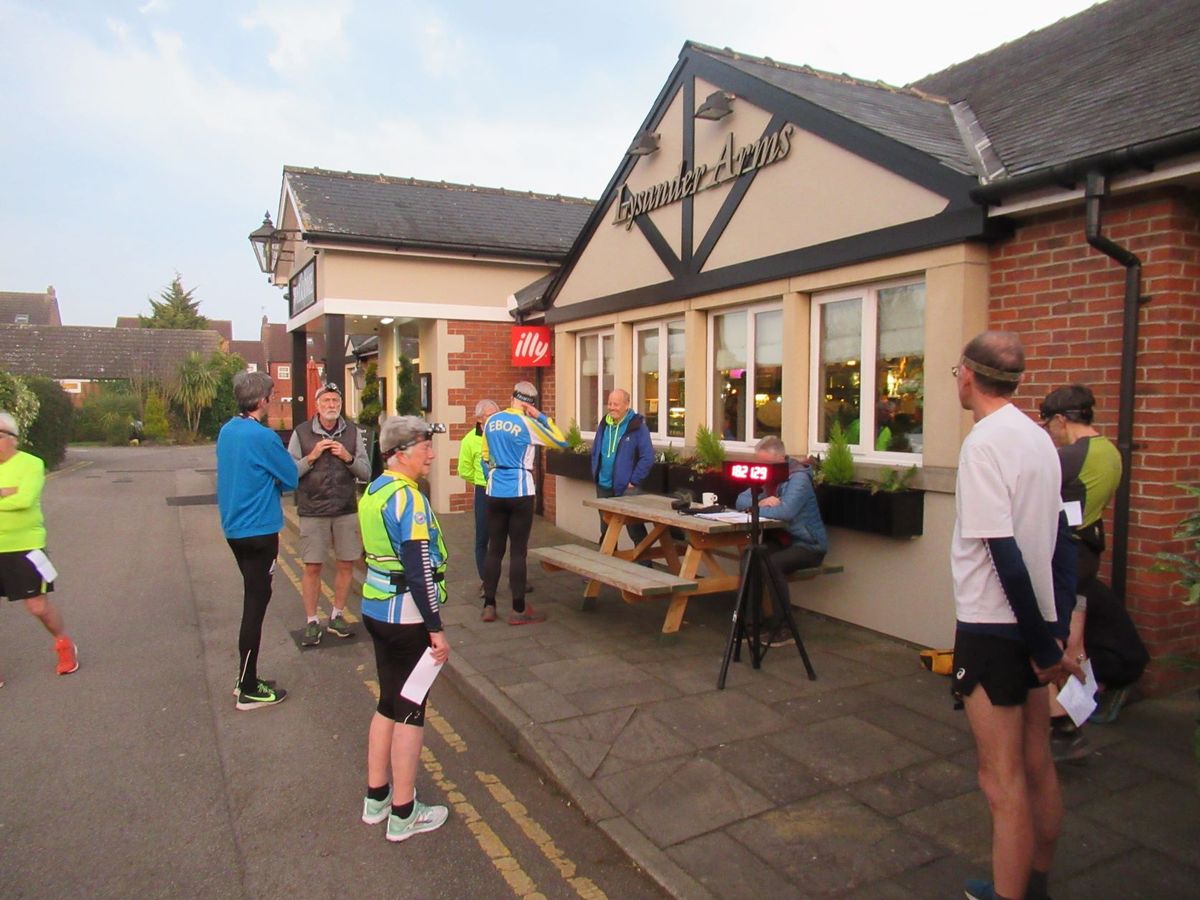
(68, 661)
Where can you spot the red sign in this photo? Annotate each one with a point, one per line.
(530, 345)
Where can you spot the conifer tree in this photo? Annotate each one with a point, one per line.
(175, 308)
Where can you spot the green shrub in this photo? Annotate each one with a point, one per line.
(369, 407)
(18, 400)
(47, 437)
(408, 396)
(575, 441)
(892, 481)
(223, 407)
(838, 465)
(107, 415)
(710, 452)
(154, 422)
(1186, 564)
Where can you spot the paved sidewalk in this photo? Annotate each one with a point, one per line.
(859, 784)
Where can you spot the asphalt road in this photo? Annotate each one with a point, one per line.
(136, 777)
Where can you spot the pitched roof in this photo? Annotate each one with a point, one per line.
(38, 309)
(80, 351)
(906, 115)
(1115, 75)
(251, 352)
(435, 215)
(223, 327)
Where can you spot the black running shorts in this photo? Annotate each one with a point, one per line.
(1001, 665)
(19, 578)
(398, 648)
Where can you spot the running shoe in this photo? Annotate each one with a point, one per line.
(263, 695)
(422, 818)
(375, 811)
(979, 889)
(68, 655)
(312, 635)
(1068, 746)
(489, 612)
(237, 685)
(528, 617)
(778, 637)
(339, 628)
(1108, 705)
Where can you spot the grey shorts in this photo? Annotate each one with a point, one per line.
(320, 534)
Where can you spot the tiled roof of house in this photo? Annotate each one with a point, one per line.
(435, 215)
(1115, 75)
(79, 351)
(223, 327)
(251, 352)
(909, 116)
(29, 309)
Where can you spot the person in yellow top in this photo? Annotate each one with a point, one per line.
(470, 470)
(26, 573)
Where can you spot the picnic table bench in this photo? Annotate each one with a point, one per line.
(634, 581)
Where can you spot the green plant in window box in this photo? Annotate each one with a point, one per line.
(838, 465)
(893, 480)
(669, 456)
(709, 453)
(575, 441)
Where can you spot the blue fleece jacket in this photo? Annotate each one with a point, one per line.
(253, 470)
(797, 506)
(633, 457)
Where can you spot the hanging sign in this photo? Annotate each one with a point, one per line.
(530, 345)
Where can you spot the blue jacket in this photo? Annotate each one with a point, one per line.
(253, 470)
(507, 447)
(797, 506)
(634, 456)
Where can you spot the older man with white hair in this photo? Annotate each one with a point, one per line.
(26, 573)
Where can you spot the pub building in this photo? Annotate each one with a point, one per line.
(782, 249)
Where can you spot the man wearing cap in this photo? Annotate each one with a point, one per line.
(25, 571)
(331, 458)
(1002, 556)
(509, 439)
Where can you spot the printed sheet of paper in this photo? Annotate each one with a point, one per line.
(1078, 698)
(732, 516)
(1074, 511)
(421, 680)
(42, 563)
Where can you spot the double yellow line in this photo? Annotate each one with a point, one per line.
(510, 869)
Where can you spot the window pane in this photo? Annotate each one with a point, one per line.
(589, 382)
(675, 389)
(768, 373)
(900, 369)
(648, 377)
(607, 368)
(729, 376)
(840, 373)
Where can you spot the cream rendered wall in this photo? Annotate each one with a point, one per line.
(747, 124)
(362, 275)
(663, 166)
(615, 260)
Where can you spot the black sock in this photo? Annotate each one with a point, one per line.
(1062, 724)
(378, 793)
(1038, 885)
(403, 811)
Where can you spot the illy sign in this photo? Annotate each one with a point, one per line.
(530, 345)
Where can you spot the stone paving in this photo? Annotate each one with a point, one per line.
(860, 784)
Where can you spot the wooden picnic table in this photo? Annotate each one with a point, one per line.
(707, 560)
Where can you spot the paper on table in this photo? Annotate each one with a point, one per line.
(422, 677)
(42, 563)
(1078, 698)
(725, 516)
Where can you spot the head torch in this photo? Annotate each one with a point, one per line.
(421, 435)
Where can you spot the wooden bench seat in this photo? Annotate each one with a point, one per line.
(806, 574)
(632, 580)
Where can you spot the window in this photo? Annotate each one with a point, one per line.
(21, 319)
(747, 373)
(251, 367)
(658, 349)
(594, 377)
(869, 344)
(285, 373)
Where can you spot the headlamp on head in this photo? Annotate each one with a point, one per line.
(420, 436)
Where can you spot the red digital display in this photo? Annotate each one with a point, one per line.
(756, 472)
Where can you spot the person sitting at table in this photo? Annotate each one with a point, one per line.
(803, 544)
(621, 457)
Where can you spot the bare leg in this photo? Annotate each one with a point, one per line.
(999, 745)
(310, 588)
(1044, 794)
(379, 751)
(406, 751)
(47, 613)
(341, 582)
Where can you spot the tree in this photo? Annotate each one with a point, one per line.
(223, 406)
(194, 388)
(174, 309)
(408, 396)
(369, 407)
(18, 400)
(47, 437)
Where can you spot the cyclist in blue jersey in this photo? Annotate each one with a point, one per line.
(509, 439)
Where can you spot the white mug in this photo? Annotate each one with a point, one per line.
(708, 498)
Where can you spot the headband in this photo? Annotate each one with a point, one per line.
(425, 434)
(988, 372)
(525, 398)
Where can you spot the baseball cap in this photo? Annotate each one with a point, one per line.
(326, 388)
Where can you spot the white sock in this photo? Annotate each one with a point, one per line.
(316, 619)
(336, 614)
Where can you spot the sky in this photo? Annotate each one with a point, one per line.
(145, 138)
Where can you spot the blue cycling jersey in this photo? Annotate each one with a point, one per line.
(507, 451)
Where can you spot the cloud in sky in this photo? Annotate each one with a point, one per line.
(148, 137)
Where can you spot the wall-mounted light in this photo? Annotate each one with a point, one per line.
(716, 107)
(268, 241)
(644, 144)
(387, 320)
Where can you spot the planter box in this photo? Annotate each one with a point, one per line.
(569, 465)
(684, 478)
(656, 481)
(893, 514)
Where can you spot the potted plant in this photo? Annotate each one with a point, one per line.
(702, 472)
(575, 461)
(887, 506)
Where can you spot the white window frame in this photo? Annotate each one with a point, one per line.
(868, 391)
(588, 428)
(284, 372)
(664, 360)
(751, 310)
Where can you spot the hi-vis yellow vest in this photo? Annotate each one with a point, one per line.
(417, 522)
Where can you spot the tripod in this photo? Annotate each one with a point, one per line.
(758, 573)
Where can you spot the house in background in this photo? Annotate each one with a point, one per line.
(223, 327)
(277, 354)
(18, 308)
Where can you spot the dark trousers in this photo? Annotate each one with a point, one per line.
(509, 521)
(256, 559)
(637, 530)
(481, 528)
(785, 561)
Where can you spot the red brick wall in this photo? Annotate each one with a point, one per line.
(487, 349)
(1065, 299)
(279, 413)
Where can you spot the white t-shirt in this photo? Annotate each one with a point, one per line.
(1009, 481)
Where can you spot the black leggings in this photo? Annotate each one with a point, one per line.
(510, 520)
(256, 559)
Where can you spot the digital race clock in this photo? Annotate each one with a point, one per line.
(756, 472)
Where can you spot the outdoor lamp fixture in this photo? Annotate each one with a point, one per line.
(359, 376)
(644, 144)
(716, 107)
(262, 239)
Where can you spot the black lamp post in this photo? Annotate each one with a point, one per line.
(263, 240)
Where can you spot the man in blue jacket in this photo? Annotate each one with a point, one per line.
(253, 471)
(621, 456)
(804, 543)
